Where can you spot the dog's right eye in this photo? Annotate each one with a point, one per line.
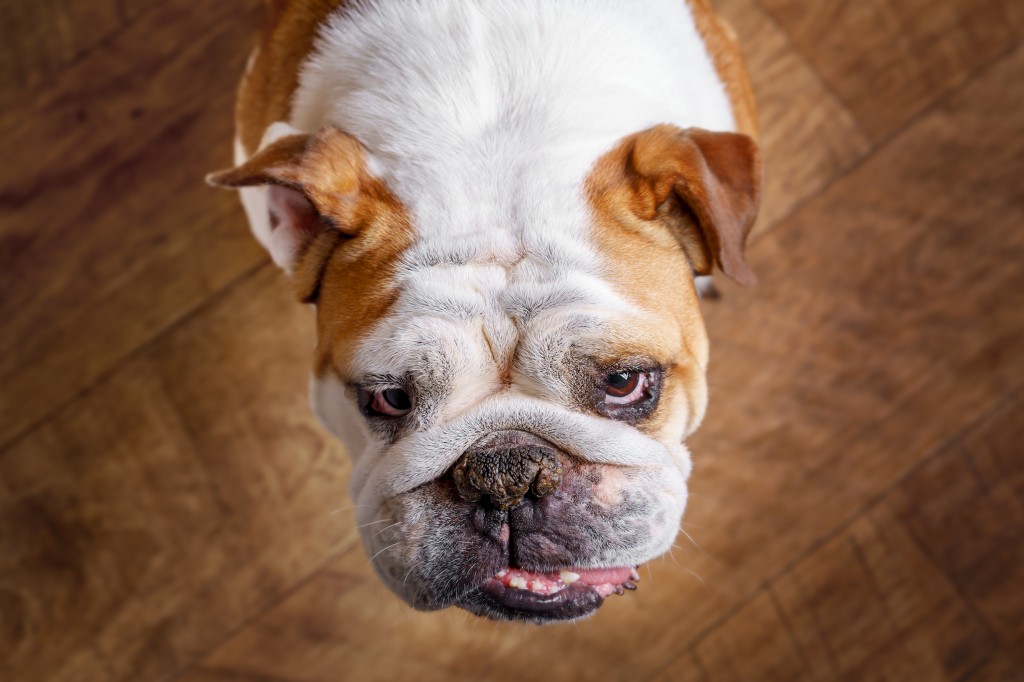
(625, 387)
(628, 394)
(386, 402)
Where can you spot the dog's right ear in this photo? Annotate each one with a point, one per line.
(703, 186)
(313, 184)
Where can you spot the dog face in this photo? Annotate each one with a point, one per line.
(515, 397)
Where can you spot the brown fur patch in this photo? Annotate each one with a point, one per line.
(357, 289)
(648, 265)
(724, 49)
(692, 190)
(350, 257)
(265, 93)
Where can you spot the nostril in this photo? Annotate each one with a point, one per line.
(503, 475)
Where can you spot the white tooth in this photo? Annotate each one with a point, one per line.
(518, 583)
(568, 577)
(537, 586)
(501, 573)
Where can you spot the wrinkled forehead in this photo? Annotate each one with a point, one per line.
(512, 281)
(514, 318)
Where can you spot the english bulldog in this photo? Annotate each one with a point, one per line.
(498, 210)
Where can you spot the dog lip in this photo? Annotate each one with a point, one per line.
(555, 595)
(575, 601)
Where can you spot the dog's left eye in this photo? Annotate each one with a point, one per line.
(625, 387)
(387, 402)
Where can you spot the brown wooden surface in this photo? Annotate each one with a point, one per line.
(169, 509)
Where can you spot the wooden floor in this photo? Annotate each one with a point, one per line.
(170, 510)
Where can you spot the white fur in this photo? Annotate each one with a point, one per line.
(484, 117)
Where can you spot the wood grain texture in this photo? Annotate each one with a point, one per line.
(966, 508)
(686, 668)
(42, 36)
(109, 231)
(755, 644)
(889, 59)
(157, 512)
(1000, 667)
(170, 510)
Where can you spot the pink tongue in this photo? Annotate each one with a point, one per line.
(601, 576)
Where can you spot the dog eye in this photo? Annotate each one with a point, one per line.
(625, 387)
(386, 402)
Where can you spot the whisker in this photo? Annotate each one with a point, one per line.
(396, 523)
(695, 575)
(695, 543)
(700, 549)
(371, 523)
(341, 509)
(393, 544)
(407, 574)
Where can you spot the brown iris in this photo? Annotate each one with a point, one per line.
(622, 383)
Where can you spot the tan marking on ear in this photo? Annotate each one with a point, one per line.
(265, 93)
(347, 266)
(724, 49)
(696, 188)
(328, 177)
(357, 285)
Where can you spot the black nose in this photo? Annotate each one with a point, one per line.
(504, 467)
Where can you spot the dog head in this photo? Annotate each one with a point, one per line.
(515, 392)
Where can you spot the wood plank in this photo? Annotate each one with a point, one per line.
(686, 668)
(888, 60)
(868, 604)
(1016, 12)
(967, 510)
(170, 503)
(207, 675)
(1001, 667)
(344, 620)
(878, 609)
(110, 235)
(42, 36)
(808, 138)
(755, 644)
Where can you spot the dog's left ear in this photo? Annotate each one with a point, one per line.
(706, 186)
(314, 184)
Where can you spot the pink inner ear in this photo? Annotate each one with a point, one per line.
(294, 222)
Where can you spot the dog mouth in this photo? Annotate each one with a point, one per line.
(564, 594)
